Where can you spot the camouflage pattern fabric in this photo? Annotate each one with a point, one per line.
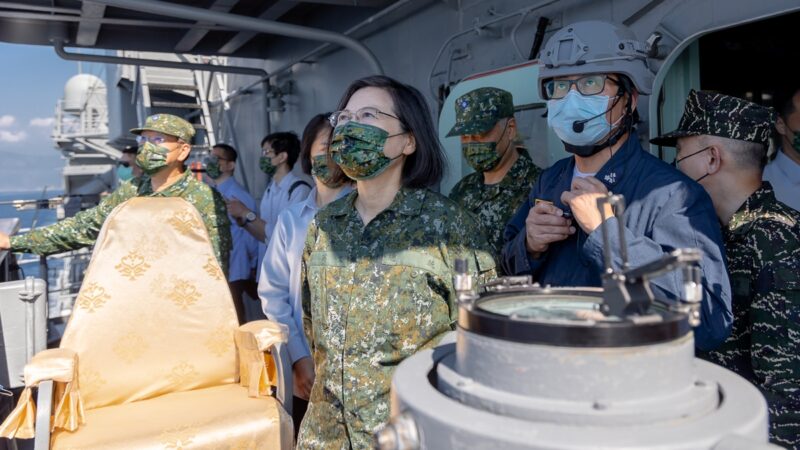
(479, 110)
(495, 204)
(168, 124)
(321, 170)
(266, 166)
(481, 156)
(213, 170)
(762, 242)
(82, 229)
(358, 149)
(151, 158)
(721, 115)
(374, 295)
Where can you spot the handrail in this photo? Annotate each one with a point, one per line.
(58, 45)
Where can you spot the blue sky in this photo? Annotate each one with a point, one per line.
(31, 82)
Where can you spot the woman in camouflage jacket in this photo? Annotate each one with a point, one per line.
(378, 263)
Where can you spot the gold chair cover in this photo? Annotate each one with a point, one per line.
(155, 333)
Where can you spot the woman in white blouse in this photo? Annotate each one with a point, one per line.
(279, 281)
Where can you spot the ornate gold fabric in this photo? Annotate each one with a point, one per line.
(258, 370)
(149, 320)
(221, 417)
(59, 365)
(20, 423)
(153, 336)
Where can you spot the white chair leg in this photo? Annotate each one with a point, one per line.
(44, 407)
(285, 394)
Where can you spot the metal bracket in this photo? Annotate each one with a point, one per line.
(652, 45)
(504, 283)
(627, 292)
(464, 284)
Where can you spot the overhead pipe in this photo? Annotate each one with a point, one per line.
(47, 9)
(58, 45)
(247, 23)
(105, 20)
(322, 49)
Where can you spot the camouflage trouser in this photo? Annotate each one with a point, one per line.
(324, 428)
(784, 425)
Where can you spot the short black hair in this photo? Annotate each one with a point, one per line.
(626, 86)
(284, 142)
(228, 151)
(425, 167)
(130, 149)
(313, 128)
(785, 101)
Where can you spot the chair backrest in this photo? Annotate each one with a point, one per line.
(154, 314)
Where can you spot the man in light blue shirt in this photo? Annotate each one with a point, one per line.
(279, 153)
(244, 253)
(783, 172)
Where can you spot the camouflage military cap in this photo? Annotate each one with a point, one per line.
(721, 115)
(479, 110)
(168, 124)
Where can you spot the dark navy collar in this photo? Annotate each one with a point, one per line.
(611, 174)
(613, 171)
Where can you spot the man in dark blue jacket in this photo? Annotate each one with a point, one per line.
(591, 73)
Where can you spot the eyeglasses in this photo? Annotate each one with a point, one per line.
(156, 140)
(124, 163)
(588, 85)
(678, 160)
(366, 114)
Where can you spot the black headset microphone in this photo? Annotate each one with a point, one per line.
(577, 126)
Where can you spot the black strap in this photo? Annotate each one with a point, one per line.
(297, 184)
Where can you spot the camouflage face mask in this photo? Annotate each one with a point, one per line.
(151, 157)
(322, 171)
(482, 156)
(213, 170)
(796, 140)
(358, 149)
(266, 166)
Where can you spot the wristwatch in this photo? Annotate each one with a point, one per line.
(249, 217)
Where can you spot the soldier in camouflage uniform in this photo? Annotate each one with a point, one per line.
(165, 145)
(504, 171)
(722, 142)
(377, 281)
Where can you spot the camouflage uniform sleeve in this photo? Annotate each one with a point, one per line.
(473, 246)
(76, 232)
(485, 263)
(305, 291)
(456, 193)
(219, 230)
(775, 319)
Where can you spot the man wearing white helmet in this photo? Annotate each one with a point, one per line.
(591, 74)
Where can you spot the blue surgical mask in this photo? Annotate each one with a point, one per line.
(584, 113)
(124, 173)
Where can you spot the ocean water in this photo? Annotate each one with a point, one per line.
(43, 218)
